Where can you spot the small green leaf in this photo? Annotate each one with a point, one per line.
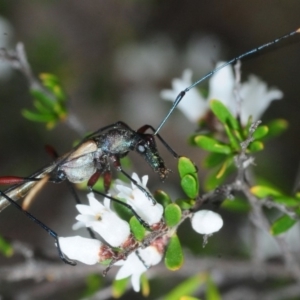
(223, 114)
(214, 159)
(190, 186)
(260, 132)
(262, 191)
(93, 284)
(282, 224)
(172, 214)
(286, 200)
(37, 117)
(234, 142)
(119, 287)
(145, 285)
(276, 127)
(212, 181)
(162, 198)
(212, 292)
(174, 255)
(42, 98)
(223, 168)
(256, 146)
(185, 204)
(137, 229)
(122, 211)
(5, 248)
(186, 166)
(187, 287)
(212, 145)
(236, 205)
(59, 93)
(49, 80)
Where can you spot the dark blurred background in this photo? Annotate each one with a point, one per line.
(113, 59)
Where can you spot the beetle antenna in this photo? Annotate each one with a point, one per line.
(255, 50)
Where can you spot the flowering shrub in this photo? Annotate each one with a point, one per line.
(230, 131)
(135, 250)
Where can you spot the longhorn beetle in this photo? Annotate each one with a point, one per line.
(94, 154)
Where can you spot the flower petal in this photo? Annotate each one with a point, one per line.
(221, 87)
(82, 249)
(206, 222)
(194, 105)
(256, 98)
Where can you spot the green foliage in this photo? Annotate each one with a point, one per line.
(212, 292)
(282, 224)
(174, 255)
(119, 287)
(172, 214)
(212, 145)
(227, 143)
(5, 247)
(93, 284)
(236, 205)
(187, 287)
(189, 177)
(137, 229)
(49, 103)
(162, 198)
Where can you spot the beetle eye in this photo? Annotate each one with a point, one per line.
(141, 148)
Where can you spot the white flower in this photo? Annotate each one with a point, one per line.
(141, 204)
(256, 98)
(82, 249)
(102, 220)
(193, 104)
(254, 94)
(135, 265)
(206, 222)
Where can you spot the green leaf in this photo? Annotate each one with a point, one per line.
(185, 204)
(286, 200)
(162, 198)
(49, 80)
(119, 287)
(42, 98)
(212, 145)
(260, 132)
(282, 224)
(190, 186)
(59, 93)
(122, 211)
(172, 214)
(234, 142)
(93, 284)
(145, 285)
(262, 191)
(187, 287)
(222, 171)
(5, 248)
(174, 255)
(276, 127)
(137, 229)
(186, 166)
(212, 181)
(256, 146)
(41, 108)
(236, 205)
(212, 292)
(214, 159)
(37, 117)
(223, 114)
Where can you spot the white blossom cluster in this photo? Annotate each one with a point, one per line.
(254, 93)
(133, 259)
